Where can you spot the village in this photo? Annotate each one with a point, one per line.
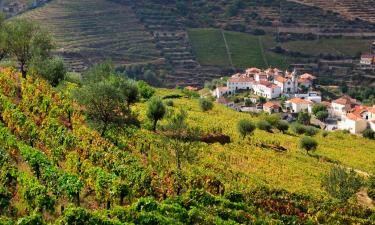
(289, 94)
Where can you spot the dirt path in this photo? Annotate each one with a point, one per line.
(364, 199)
(227, 48)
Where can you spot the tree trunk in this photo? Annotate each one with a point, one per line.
(154, 127)
(23, 70)
(78, 202)
(104, 130)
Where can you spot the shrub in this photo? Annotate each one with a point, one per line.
(369, 134)
(371, 187)
(205, 104)
(325, 134)
(304, 118)
(169, 102)
(311, 131)
(282, 126)
(298, 128)
(155, 110)
(308, 144)
(322, 115)
(273, 119)
(341, 184)
(264, 125)
(245, 127)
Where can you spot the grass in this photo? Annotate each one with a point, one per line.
(250, 50)
(209, 46)
(252, 166)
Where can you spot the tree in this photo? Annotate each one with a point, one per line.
(369, 134)
(322, 115)
(308, 144)
(318, 108)
(155, 111)
(341, 184)
(99, 72)
(205, 104)
(145, 90)
(304, 118)
(4, 49)
(264, 125)
(27, 40)
(105, 102)
(53, 70)
(282, 126)
(245, 127)
(248, 103)
(262, 100)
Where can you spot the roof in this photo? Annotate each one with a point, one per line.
(371, 109)
(326, 104)
(223, 88)
(354, 117)
(343, 101)
(367, 56)
(191, 88)
(307, 76)
(240, 79)
(253, 70)
(299, 101)
(281, 79)
(271, 105)
(223, 100)
(267, 84)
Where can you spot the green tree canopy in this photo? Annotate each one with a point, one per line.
(27, 41)
(155, 110)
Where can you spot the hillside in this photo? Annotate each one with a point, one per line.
(88, 32)
(55, 168)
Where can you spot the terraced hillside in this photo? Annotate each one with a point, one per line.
(362, 9)
(89, 31)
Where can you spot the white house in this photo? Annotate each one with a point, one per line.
(297, 105)
(288, 85)
(221, 91)
(271, 107)
(311, 96)
(367, 59)
(341, 106)
(353, 122)
(239, 83)
(306, 80)
(267, 89)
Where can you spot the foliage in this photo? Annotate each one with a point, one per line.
(145, 90)
(205, 104)
(322, 115)
(341, 184)
(264, 125)
(282, 126)
(155, 111)
(245, 127)
(369, 134)
(27, 41)
(304, 118)
(308, 144)
(53, 70)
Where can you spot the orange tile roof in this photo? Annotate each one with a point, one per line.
(343, 101)
(352, 116)
(281, 79)
(223, 88)
(240, 79)
(271, 105)
(371, 109)
(307, 76)
(299, 101)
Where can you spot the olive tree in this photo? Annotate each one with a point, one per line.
(155, 111)
(245, 127)
(27, 42)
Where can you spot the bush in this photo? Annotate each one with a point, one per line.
(369, 134)
(325, 134)
(282, 126)
(245, 127)
(298, 128)
(308, 144)
(371, 187)
(169, 102)
(341, 184)
(311, 131)
(205, 104)
(53, 70)
(264, 125)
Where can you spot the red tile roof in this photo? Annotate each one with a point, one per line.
(271, 105)
(241, 79)
(299, 101)
(343, 101)
(352, 116)
(281, 79)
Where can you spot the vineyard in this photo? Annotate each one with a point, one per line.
(56, 169)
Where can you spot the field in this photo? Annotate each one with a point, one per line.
(254, 166)
(57, 169)
(250, 50)
(246, 50)
(89, 31)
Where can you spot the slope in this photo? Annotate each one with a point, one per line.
(55, 169)
(91, 31)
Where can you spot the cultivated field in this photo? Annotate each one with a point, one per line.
(89, 31)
